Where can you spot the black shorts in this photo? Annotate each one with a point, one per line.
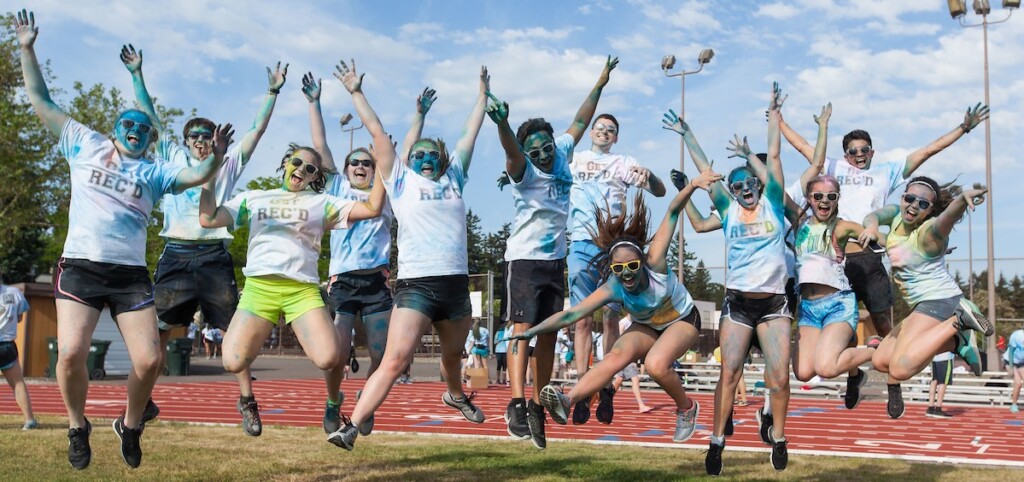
(120, 287)
(534, 290)
(195, 276)
(8, 354)
(502, 361)
(751, 312)
(438, 297)
(367, 293)
(791, 295)
(869, 280)
(942, 372)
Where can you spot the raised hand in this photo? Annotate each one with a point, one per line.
(425, 100)
(638, 176)
(777, 98)
(277, 77)
(674, 123)
(609, 66)
(679, 179)
(222, 139)
(974, 116)
(826, 113)
(497, 110)
(485, 80)
(25, 28)
(352, 81)
(503, 180)
(706, 179)
(740, 149)
(311, 87)
(975, 196)
(132, 59)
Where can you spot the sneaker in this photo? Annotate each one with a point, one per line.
(764, 426)
(713, 459)
(967, 348)
(366, 428)
(686, 422)
(580, 413)
(1013, 408)
(730, 428)
(940, 414)
(30, 425)
(969, 317)
(149, 413)
(79, 452)
(345, 437)
(535, 420)
(332, 418)
(930, 412)
(895, 406)
(780, 455)
(250, 411)
(464, 405)
(131, 451)
(556, 403)
(605, 409)
(515, 418)
(853, 395)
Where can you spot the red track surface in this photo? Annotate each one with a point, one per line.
(978, 435)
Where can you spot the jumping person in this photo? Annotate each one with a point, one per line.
(114, 187)
(195, 269)
(1015, 365)
(665, 322)
(866, 185)
(12, 305)
(537, 164)
(433, 281)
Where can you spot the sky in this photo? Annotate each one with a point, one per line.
(904, 71)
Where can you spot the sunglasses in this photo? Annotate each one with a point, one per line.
(127, 124)
(310, 169)
(618, 268)
(922, 203)
(423, 154)
(360, 162)
(201, 136)
(536, 153)
(605, 128)
(831, 196)
(751, 182)
(853, 151)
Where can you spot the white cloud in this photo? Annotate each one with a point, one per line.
(693, 15)
(777, 10)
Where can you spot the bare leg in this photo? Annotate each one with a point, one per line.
(376, 325)
(584, 344)
(931, 393)
(319, 338)
(611, 329)
(921, 339)
(333, 376)
(632, 345)
(138, 328)
(243, 341)
(75, 325)
(832, 355)
(670, 345)
(452, 335)
(1018, 381)
(517, 361)
(774, 335)
(806, 345)
(735, 342)
(406, 328)
(16, 380)
(543, 357)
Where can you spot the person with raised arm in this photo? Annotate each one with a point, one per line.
(425, 190)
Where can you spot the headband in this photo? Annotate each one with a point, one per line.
(625, 243)
(925, 184)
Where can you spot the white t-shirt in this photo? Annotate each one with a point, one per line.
(181, 211)
(285, 229)
(597, 178)
(111, 197)
(542, 208)
(12, 305)
(941, 357)
(365, 244)
(472, 340)
(431, 220)
(865, 190)
(213, 334)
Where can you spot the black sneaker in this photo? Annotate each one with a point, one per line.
(605, 409)
(250, 411)
(515, 418)
(713, 459)
(332, 418)
(780, 454)
(345, 437)
(936, 412)
(464, 405)
(535, 420)
(730, 428)
(581, 412)
(149, 413)
(131, 451)
(853, 396)
(764, 425)
(79, 452)
(969, 317)
(895, 406)
(366, 428)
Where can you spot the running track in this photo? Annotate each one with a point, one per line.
(976, 435)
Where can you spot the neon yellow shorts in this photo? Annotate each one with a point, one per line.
(269, 297)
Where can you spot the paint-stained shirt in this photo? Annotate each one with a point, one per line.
(542, 208)
(12, 305)
(285, 230)
(431, 220)
(111, 197)
(599, 182)
(920, 277)
(181, 211)
(865, 190)
(819, 259)
(756, 254)
(665, 300)
(365, 244)
(1015, 348)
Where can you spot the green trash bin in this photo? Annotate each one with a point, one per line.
(179, 357)
(94, 363)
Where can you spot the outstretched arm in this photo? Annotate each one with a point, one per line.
(673, 123)
(311, 89)
(210, 214)
(658, 249)
(384, 150)
(586, 111)
(206, 170)
(818, 161)
(796, 140)
(515, 160)
(423, 103)
(373, 205)
(773, 186)
(974, 116)
(600, 297)
(700, 223)
(38, 94)
(935, 240)
(133, 62)
(464, 146)
(275, 81)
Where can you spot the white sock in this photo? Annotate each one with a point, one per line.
(767, 406)
(717, 440)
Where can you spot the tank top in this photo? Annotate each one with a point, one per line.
(919, 277)
(756, 248)
(819, 259)
(665, 300)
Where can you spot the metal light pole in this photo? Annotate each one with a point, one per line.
(345, 119)
(958, 9)
(667, 63)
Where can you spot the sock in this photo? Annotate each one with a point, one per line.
(334, 404)
(720, 441)
(767, 406)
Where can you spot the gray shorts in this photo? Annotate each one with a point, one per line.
(628, 372)
(941, 310)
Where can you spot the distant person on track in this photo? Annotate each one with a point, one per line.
(942, 376)
(12, 305)
(1014, 358)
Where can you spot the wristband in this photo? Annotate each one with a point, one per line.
(273, 91)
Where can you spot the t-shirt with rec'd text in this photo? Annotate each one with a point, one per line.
(599, 182)
(864, 191)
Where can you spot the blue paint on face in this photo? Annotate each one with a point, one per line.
(746, 196)
(425, 159)
(133, 131)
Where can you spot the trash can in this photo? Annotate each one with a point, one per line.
(179, 351)
(94, 363)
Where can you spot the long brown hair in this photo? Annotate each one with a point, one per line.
(944, 193)
(614, 229)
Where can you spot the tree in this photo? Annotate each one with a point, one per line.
(474, 244)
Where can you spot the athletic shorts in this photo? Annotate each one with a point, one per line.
(534, 290)
(751, 312)
(8, 354)
(942, 372)
(437, 297)
(195, 276)
(869, 280)
(365, 293)
(120, 287)
(792, 297)
(941, 310)
(693, 318)
(270, 297)
(502, 359)
(584, 276)
(838, 307)
(479, 352)
(628, 372)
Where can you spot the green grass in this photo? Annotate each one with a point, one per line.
(188, 452)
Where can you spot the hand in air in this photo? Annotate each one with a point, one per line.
(425, 100)
(222, 139)
(485, 80)
(496, 109)
(706, 179)
(132, 59)
(674, 123)
(352, 81)
(276, 78)
(975, 196)
(679, 179)
(974, 116)
(739, 148)
(826, 113)
(777, 98)
(25, 28)
(311, 87)
(503, 180)
(609, 66)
